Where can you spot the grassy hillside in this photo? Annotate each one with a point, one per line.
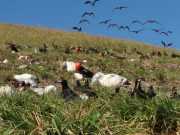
(27, 113)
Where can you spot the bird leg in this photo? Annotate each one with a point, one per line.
(117, 90)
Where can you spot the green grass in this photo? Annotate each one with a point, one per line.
(27, 113)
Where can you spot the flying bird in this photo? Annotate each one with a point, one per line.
(166, 44)
(77, 28)
(84, 21)
(151, 22)
(137, 31)
(127, 28)
(156, 30)
(88, 14)
(94, 2)
(113, 25)
(120, 8)
(121, 27)
(164, 33)
(170, 32)
(105, 21)
(88, 2)
(137, 22)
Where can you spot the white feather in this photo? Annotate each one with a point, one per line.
(78, 76)
(41, 91)
(70, 66)
(108, 80)
(26, 78)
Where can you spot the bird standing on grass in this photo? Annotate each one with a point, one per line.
(67, 92)
(85, 89)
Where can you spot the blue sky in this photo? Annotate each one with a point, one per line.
(63, 14)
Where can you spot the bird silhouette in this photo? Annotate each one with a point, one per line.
(88, 2)
(127, 28)
(77, 28)
(120, 8)
(137, 22)
(113, 25)
(105, 21)
(151, 22)
(84, 21)
(94, 2)
(137, 31)
(88, 14)
(166, 44)
(121, 27)
(156, 30)
(164, 33)
(170, 32)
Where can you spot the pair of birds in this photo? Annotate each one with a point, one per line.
(151, 21)
(80, 92)
(79, 29)
(88, 2)
(162, 32)
(140, 92)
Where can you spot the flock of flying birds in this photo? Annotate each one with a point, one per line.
(108, 23)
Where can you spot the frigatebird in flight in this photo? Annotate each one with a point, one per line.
(94, 2)
(137, 31)
(105, 21)
(90, 2)
(121, 27)
(88, 14)
(84, 21)
(120, 8)
(170, 32)
(113, 25)
(151, 21)
(137, 22)
(164, 33)
(79, 29)
(127, 28)
(156, 30)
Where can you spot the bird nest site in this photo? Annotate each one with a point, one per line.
(69, 83)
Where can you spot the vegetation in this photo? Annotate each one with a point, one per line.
(27, 113)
